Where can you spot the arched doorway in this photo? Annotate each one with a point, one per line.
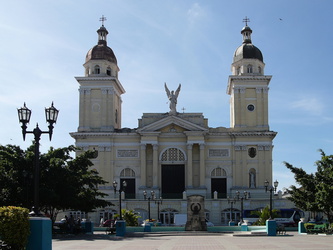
(128, 175)
(219, 182)
(173, 173)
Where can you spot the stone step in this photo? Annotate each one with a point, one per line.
(249, 234)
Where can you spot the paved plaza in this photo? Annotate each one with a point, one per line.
(193, 241)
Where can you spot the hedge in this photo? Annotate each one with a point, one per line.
(14, 226)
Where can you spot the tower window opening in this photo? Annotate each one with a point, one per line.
(249, 69)
(238, 71)
(108, 71)
(259, 70)
(97, 70)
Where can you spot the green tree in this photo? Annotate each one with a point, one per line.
(66, 183)
(16, 176)
(315, 191)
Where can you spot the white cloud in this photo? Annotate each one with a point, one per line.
(312, 105)
(194, 13)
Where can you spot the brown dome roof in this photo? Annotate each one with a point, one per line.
(101, 51)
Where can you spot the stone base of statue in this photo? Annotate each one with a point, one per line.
(196, 220)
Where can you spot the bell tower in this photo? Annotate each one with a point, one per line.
(100, 90)
(248, 87)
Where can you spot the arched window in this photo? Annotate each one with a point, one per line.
(230, 215)
(218, 172)
(108, 71)
(172, 155)
(167, 216)
(127, 172)
(252, 178)
(249, 68)
(259, 70)
(97, 70)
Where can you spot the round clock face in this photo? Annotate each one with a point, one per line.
(250, 107)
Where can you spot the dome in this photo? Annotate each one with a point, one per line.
(247, 50)
(101, 51)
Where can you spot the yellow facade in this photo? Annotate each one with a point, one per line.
(177, 154)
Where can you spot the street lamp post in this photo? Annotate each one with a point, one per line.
(245, 197)
(271, 189)
(24, 115)
(158, 202)
(231, 202)
(121, 188)
(152, 197)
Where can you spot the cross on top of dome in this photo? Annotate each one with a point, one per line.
(246, 20)
(102, 19)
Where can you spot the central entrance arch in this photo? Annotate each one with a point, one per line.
(173, 181)
(173, 173)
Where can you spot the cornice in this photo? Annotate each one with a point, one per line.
(83, 135)
(251, 77)
(101, 79)
(253, 134)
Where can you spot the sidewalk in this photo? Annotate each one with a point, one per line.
(193, 241)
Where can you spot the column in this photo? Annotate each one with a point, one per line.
(242, 108)
(155, 166)
(189, 165)
(87, 108)
(82, 111)
(202, 165)
(104, 108)
(259, 107)
(265, 106)
(143, 165)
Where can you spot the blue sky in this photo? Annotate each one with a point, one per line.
(43, 46)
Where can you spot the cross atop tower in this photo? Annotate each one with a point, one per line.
(246, 20)
(102, 19)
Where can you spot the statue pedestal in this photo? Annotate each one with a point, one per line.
(195, 214)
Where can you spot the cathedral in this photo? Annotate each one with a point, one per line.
(173, 155)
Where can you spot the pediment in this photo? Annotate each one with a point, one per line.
(171, 124)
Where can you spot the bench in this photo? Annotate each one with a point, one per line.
(280, 229)
(110, 230)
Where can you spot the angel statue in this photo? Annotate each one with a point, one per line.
(172, 98)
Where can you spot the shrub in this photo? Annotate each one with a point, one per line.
(309, 226)
(14, 226)
(130, 217)
(264, 215)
